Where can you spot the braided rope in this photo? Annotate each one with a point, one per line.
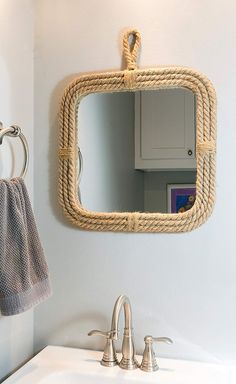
(135, 79)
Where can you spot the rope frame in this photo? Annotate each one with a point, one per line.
(134, 79)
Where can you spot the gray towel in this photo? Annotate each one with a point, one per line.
(24, 280)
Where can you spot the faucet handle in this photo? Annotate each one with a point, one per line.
(109, 358)
(96, 332)
(166, 340)
(149, 363)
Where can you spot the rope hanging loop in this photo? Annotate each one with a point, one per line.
(131, 48)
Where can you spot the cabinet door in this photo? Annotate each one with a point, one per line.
(165, 129)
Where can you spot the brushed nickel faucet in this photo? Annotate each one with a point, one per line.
(109, 359)
(149, 362)
(128, 360)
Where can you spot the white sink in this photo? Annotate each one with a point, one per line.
(60, 365)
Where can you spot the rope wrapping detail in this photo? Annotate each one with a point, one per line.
(130, 79)
(132, 221)
(66, 153)
(138, 79)
(206, 147)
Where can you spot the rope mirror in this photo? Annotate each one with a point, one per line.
(134, 79)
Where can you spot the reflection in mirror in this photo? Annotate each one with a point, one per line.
(138, 151)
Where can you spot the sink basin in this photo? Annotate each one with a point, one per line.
(60, 365)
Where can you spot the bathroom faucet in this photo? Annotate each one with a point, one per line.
(109, 359)
(128, 360)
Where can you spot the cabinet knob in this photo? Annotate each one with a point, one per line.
(190, 152)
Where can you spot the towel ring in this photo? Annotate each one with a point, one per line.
(15, 131)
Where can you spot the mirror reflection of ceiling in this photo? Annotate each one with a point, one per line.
(138, 151)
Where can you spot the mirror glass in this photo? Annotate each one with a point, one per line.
(138, 151)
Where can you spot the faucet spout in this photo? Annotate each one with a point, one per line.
(128, 360)
(122, 301)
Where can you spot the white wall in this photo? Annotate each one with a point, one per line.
(16, 106)
(180, 285)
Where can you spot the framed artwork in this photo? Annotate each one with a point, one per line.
(180, 197)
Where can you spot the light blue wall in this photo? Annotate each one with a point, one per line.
(180, 285)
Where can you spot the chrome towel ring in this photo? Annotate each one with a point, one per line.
(15, 131)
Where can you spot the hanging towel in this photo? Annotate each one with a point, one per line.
(24, 279)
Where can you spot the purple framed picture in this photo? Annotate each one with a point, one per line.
(180, 197)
